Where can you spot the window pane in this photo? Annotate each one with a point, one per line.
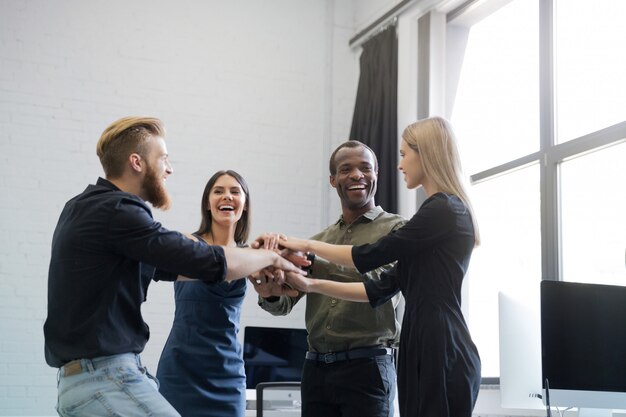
(495, 112)
(509, 257)
(590, 66)
(593, 197)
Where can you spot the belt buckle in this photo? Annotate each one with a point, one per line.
(330, 357)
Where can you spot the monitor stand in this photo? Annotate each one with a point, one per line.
(594, 412)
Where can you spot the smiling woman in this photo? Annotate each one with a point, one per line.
(201, 367)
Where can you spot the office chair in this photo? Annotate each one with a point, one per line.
(284, 396)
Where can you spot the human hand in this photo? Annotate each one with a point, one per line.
(266, 286)
(270, 241)
(282, 265)
(296, 257)
(267, 241)
(295, 244)
(274, 273)
(298, 282)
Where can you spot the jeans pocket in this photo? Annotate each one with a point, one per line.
(387, 372)
(95, 405)
(128, 374)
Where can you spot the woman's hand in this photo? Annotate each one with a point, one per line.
(299, 282)
(267, 241)
(271, 241)
(295, 244)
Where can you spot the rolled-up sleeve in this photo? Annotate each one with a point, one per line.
(379, 291)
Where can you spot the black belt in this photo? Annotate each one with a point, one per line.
(359, 353)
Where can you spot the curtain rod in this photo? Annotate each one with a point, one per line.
(360, 37)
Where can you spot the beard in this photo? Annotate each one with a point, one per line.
(156, 193)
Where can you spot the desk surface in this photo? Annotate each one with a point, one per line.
(251, 395)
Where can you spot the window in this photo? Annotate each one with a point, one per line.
(538, 104)
(589, 40)
(593, 195)
(509, 258)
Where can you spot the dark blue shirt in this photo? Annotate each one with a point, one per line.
(105, 251)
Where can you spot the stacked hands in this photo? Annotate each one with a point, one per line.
(273, 281)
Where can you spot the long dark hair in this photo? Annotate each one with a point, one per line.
(242, 230)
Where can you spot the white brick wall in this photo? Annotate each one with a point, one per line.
(265, 88)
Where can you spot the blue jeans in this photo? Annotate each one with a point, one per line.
(110, 386)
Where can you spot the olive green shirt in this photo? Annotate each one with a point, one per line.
(336, 325)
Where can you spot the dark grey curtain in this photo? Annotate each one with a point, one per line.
(375, 120)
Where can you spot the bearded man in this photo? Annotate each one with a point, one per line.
(106, 249)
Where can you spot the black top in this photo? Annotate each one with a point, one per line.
(439, 366)
(105, 250)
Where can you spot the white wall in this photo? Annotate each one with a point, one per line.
(265, 88)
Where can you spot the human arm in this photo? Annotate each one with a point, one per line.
(234, 266)
(435, 222)
(242, 262)
(350, 291)
(181, 277)
(381, 290)
(133, 232)
(338, 254)
(369, 229)
(374, 291)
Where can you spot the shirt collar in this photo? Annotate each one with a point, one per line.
(369, 215)
(106, 183)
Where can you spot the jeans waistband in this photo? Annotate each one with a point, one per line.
(359, 353)
(89, 365)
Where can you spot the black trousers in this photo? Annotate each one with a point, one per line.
(350, 388)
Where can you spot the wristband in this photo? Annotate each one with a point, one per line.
(310, 256)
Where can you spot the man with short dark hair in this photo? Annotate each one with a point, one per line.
(106, 249)
(349, 370)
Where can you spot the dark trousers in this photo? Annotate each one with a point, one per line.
(351, 388)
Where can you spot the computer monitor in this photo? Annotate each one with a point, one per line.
(273, 354)
(583, 345)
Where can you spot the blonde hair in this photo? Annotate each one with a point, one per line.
(434, 140)
(124, 137)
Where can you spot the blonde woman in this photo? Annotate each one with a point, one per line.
(439, 365)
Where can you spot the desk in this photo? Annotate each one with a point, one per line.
(283, 412)
(251, 395)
